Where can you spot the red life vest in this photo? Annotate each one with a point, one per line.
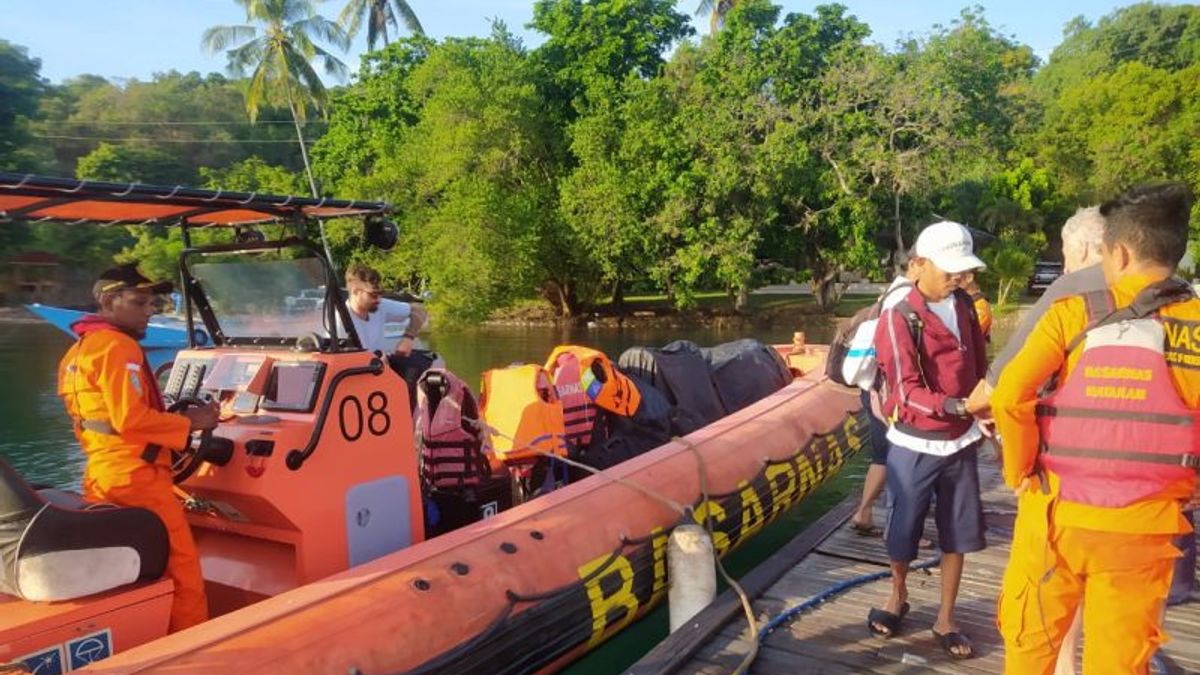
(454, 453)
(579, 412)
(1116, 431)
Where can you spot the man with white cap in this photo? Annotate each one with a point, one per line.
(932, 353)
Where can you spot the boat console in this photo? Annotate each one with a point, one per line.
(317, 471)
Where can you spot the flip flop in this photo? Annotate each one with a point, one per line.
(953, 639)
(864, 530)
(886, 619)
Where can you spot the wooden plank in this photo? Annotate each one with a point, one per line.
(679, 646)
(833, 637)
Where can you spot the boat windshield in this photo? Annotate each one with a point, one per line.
(263, 297)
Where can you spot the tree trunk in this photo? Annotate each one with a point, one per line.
(827, 290)
(742, 302)
(899, 230)
(618, 298)
(566, 301)
(312, 183)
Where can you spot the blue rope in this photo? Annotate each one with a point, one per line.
(827, 594)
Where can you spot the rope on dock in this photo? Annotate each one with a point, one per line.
(817, 600)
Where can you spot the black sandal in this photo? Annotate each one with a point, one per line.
(865, 529)
(949, 641)
(889, 621)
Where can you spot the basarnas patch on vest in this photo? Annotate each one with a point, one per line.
(1181, 342)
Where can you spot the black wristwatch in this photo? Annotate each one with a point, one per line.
(956, 406)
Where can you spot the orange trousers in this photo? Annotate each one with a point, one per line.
(1122, 580)
(150, 487)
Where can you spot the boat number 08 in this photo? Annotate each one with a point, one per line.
(353, 420)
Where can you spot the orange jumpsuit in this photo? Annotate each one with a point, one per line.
(103, 378)
(1117, 559)
(983, 309)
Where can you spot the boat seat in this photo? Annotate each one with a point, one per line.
(55, 546)
(68, 499)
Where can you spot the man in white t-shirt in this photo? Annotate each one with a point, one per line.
(370, 313)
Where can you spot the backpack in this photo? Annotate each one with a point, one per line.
(851, 361)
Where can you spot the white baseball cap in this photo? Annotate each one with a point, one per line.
(949, 246)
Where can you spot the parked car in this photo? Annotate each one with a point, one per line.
(1044, 274)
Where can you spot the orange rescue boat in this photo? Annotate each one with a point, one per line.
(307, 507)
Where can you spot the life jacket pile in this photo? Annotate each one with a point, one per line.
(587, 382)
(521, 404)
(1116, 430)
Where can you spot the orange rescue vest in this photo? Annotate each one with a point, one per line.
(521, 405)
(586, 379)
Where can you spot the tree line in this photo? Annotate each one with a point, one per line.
(625, 154)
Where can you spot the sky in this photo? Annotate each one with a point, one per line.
(137, 38)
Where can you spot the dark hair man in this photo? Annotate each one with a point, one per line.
(1101, 465)
(370, 312)
(110, 392)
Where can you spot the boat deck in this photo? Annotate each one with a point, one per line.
(832, 638)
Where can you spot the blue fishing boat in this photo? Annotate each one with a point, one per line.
(165, 335)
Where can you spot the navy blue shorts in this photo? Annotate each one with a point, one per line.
(877, 432)
(912, 479)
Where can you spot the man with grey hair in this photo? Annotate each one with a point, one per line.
(1081, 236)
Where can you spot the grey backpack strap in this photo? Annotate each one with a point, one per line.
(1152, 298)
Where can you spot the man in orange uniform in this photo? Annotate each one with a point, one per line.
(1094, 520)
(110, 392)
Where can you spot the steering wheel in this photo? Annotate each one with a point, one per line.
(185, 462)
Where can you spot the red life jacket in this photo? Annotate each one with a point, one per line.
(579, 412)
(1116, 431)
(454, 453)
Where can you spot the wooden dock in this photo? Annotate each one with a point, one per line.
(833, 638)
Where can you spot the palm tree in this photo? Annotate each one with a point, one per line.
(716, 10)
(379, 14)
(279, 45)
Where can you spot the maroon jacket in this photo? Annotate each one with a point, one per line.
(924, 381)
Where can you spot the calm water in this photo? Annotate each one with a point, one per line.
(35, 435)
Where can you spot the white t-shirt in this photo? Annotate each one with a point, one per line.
(371, 329)
(947, 311)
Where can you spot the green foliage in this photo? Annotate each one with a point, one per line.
(133, 164)
(277, 48)
(253, 175)
(379, 15)
(620, 155)
(21, 87)
(1008, 267)
(593, 45)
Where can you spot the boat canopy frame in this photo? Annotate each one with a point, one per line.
(34, 198)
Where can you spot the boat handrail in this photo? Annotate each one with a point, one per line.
(296, 457)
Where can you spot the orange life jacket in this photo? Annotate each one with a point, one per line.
(521, 404)
(1117, 431)
(586, 379)
(599, 379)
